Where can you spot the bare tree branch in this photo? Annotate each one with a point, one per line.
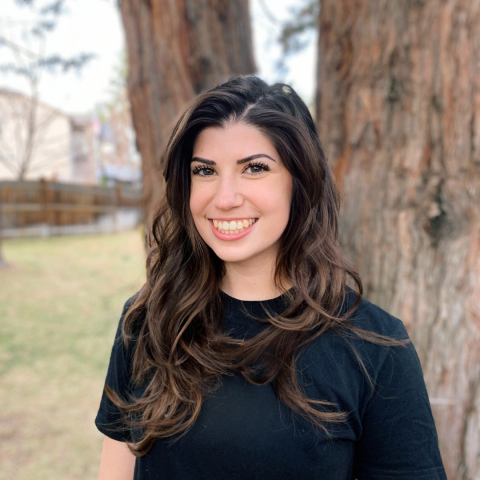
(17, 48)
(55, 7)
(55, 150)
(55, 62)
(18, 139)
(268, 13)
(6, 152)
(304, 20)
(53, 159)
(10, 164)
(43, 124)
(31, 127)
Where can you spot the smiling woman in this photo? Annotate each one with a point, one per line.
(241, 206)
(245, 355)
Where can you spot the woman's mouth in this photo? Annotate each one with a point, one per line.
(232, 229)
(233, 226)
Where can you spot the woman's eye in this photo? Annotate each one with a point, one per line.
(203, 171)
(257, 168)
(252, 169)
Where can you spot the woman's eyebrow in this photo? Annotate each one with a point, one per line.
(253, 157)
(239, 162)
(203, 160)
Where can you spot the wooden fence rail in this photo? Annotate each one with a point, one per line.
(57, 206)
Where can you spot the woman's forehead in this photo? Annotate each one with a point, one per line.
(237, 140)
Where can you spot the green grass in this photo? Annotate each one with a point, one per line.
(59, 307)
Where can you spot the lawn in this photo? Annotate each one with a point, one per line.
(59, 307)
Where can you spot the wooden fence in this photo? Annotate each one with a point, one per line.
(44, 208)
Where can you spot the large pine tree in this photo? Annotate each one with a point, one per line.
(399, 114)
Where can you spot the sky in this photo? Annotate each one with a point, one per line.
(95, 26)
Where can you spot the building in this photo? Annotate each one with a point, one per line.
(38, 141)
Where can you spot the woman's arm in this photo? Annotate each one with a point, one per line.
(118, 462)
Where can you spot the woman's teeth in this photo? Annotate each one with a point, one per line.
(234, 226)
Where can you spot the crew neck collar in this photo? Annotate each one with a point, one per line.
(257, 307)
(268, 300)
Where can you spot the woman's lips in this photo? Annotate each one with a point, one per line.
(232, 236)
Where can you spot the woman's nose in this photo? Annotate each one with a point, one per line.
(227, 195)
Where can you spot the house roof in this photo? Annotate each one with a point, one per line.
(77, 119)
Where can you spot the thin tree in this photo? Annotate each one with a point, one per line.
(399, 114)
(176, 50)
(29, 62)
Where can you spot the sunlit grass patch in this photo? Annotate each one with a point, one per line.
(59, 308)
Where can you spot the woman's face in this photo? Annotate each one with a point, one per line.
(240, 194)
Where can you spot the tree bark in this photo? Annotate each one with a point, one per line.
(399, 113)
(177, 49)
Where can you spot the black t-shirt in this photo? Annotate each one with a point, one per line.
(246, 432)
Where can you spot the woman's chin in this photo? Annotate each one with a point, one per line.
(246, 256)
(229, 257)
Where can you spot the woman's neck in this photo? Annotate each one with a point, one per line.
(251, 283)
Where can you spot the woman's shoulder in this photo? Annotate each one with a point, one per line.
(341, 348)
(372, 318)
(349, 365)
(138, 322)
(129, 303)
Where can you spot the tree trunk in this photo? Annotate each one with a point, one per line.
(399, 114)
(177, 49)
(3, 263)
(31, 120)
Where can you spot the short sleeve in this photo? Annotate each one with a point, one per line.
(399, 439)
(109, 419)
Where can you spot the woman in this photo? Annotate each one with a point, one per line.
(245, 355)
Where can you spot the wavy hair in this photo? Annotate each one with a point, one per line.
(175, 322)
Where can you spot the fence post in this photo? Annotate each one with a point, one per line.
(1, 222)
(44, 204)
(3, 263)
(118, 202)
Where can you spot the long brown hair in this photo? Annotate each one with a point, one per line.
(175, 323)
